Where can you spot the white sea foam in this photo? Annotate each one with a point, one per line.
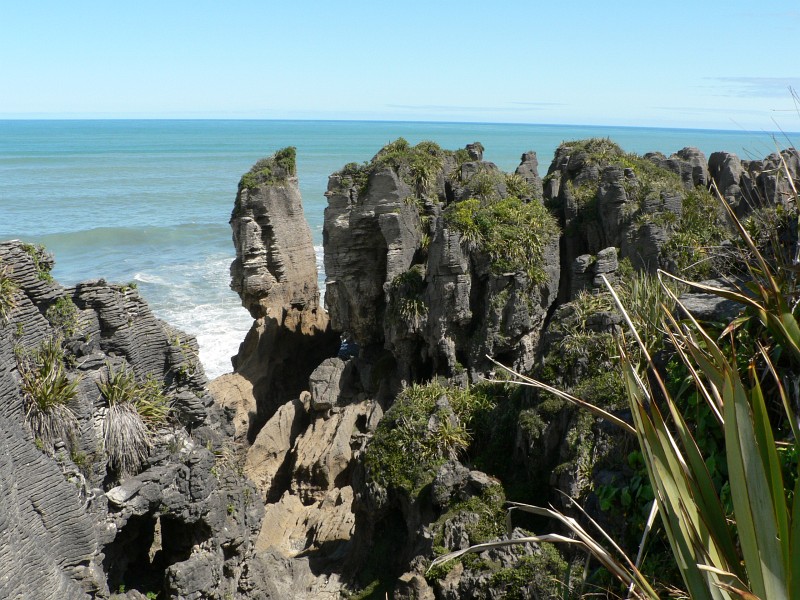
(148, 278)
(318, 252)
(196, 298)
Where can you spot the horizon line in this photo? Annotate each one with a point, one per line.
(78, 118)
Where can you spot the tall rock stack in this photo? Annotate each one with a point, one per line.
(275, 275)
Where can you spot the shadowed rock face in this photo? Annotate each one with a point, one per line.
(401, 278)
(752, 184)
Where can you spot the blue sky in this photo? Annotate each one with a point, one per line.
(712, 64)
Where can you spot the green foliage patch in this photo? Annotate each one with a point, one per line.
(535, 574)
(271, 171)
(697, 235)
(136, 409)
(47, 390)
(8, 293)
(513, 234)
(416, 426)
(63, 316)
(406, 304)
(41, 260)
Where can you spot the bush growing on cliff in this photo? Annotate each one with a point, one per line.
(47, 390)
(406, 305)
(135, 410)
(41, 260)
(747, 378)
(417, 165)
(429, 422)
(270, 171)
(63, 316)
(513, 234)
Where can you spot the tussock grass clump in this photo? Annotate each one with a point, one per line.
(126, 439)
(406, 304)
(136, 409)
(8, 294)
(47, 390)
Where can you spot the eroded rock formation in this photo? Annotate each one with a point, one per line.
(71, 525)
(275, 274)
(421, 286)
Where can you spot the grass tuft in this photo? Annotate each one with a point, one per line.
(47, 390)
(136, 410)
(8, 294)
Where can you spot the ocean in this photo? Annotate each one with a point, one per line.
(149, 201)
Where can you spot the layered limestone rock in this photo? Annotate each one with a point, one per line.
(275, 274)
(183, 523)
(409, 270)
(753, 184)
(649, 208)
(300, 451)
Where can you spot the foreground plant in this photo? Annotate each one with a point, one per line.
(135, 410)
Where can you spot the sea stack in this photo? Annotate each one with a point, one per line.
(275, 274)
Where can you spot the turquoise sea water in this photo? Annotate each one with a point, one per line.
(149, 201)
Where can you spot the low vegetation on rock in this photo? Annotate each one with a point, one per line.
(714, 408)
(271, 171)
(430, 422)
(510, 232)
(135, 410)
(8, 294)
(48, 390)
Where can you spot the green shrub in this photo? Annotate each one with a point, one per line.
(406, 304)
(695, 240)
(47, 390)
(417, 165)
(518, 187)
(538, 574)
(355, 175)
(416, 426)
(41, 260)
(63, 316)
(511, 233)
(286, 159)
(273, 170)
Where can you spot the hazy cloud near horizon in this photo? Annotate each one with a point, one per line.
(759, 87)
(517, 107)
